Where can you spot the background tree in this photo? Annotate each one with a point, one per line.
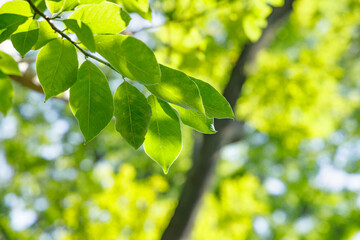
(287, 170)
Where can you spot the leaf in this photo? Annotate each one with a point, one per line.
(197, 121)
(82, 31)
(46, 34)
(8, 24)
(21, 8)
(25, 37)
(57, 6)
(131, 57)
(56, 67)
(102, 18)
(176, 87)
(91, 100)
(132, 113)
(6, 93)
(140, 7)
(8, 65)
(215, 104)
(163, 142)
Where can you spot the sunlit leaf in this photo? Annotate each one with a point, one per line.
(140, 7)
(17, 7)
(56, 6)
(131, 57)
(25, 37)
(82, 31)
(196, 120)
(215, 104)
(102, 18)
(6, 93)
(56, 67)
(46, 34)
(163, 141)
(8, 65)
(176, 87)
(132, 113)
(91, 100)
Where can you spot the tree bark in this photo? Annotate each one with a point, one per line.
(205, 160)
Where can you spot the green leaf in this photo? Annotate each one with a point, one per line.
(82, 31)
(12, 15)
(196, 120)
(102, 18)
(6, 93)
(17, 7)
(8, 65)
(90, 1)
(163, 142)
(140, 7)
(8, 24)
(46, 34)
(91, 100)
(25, 37)
(57, 6)
(56, 67)
(131, 57)
(132, 113)
(215, 104)
(176, 87)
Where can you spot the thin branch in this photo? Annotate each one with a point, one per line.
(67, 37)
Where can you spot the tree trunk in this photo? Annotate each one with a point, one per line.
(205, 160)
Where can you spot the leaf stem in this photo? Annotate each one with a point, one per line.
(67, 37)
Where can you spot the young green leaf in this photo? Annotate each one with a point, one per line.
(8, 65)
(91, 100)
(196, 120)
(82, 31)
(56, 67)
(25, 37)
(8, 24)
(163, 142)
(57, 6)
(6, 93)
(176, 87)
(141, 7)
(12, 15)
(17, 7)
(132, 113)
(102, 18)
(46, 34)
(131, 57)
(216, 106)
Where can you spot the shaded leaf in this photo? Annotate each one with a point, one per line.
(82, 31)
(163, 141)
(91, 100)
(102, 18)
(8, 65)
(25, 37)
(176, 87)
(6, 93)
(140, 7)
(56, 67)
(8, 24)
(132, 113)
(131, 57)
(215, 104)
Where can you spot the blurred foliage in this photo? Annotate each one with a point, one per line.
(294, 176)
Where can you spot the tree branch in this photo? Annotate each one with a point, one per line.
(37, 11)
(205, 161)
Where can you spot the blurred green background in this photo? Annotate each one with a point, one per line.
(295, 175)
